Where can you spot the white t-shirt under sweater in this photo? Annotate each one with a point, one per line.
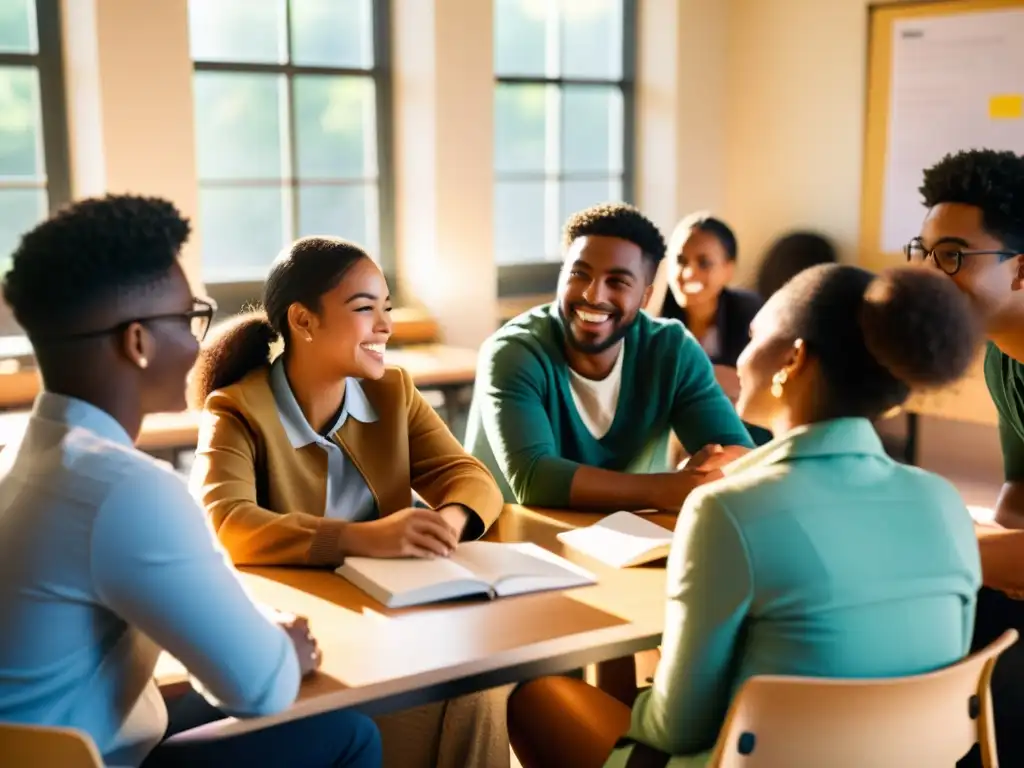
(596, 400)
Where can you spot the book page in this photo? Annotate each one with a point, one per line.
(493, 562)
(403, 575)
(621, 539)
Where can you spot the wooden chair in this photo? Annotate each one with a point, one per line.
(932, 719)
(29, 745)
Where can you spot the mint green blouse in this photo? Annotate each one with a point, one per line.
(817, 555)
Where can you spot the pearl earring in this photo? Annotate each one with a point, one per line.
(143, 362)
(778, 381)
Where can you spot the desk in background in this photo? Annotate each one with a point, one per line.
(381, 660)
(967, 400)
(432, 366)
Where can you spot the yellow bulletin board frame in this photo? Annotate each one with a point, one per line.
(876, 139)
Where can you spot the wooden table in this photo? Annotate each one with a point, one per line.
(432, 366)
(380, 660)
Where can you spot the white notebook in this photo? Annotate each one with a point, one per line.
(474, 568)
(620, 540)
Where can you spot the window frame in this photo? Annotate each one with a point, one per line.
(233, 295)
(48, 61)
(541, 277)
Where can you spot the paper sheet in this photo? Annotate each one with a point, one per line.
(957, 82)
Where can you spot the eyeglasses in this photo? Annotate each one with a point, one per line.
(947, 257)
(198, 318)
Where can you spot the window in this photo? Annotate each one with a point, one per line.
(34, 176)
(291, 111)
(563, 125)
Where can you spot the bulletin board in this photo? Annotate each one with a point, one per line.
(942, 76)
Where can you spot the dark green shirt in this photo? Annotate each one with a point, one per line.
(525, 426)
(1005, 379)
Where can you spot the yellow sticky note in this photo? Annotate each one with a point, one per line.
(1006, 106)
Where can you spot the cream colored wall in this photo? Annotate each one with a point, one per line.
(793, 152)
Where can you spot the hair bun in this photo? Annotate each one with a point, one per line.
(919, 326)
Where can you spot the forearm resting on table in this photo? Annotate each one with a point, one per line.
(603, 489)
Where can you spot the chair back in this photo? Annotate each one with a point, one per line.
(929, 719)
(31, 745)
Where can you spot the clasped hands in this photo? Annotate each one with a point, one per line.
(702, 467)
(410, 532)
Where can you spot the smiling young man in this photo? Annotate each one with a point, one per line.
(974, 232)
(574, 401)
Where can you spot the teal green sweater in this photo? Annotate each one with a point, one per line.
(524, 425)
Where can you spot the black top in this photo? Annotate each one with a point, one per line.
(736, 310)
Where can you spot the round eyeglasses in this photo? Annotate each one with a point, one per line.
(948, 257)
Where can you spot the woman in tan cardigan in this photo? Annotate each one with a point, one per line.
(315, 456)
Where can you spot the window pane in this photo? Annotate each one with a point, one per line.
(238, 30)
(592, 129)
(18, 26)
(577, 195)
(332, 33)
(20, 210)
(21, 152)
(519, 222)
(238, 126)
(348, 211)
(243, 230)
(520, 124)
(520, 42)
(591, 36)
(336, 131)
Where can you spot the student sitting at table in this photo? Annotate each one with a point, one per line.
(105, 558)
(315, 456)
(701, 263)
(574, 401)
(973, 235)
(817, 555)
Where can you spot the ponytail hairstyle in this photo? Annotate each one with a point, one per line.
(302, 274)
(877, 338)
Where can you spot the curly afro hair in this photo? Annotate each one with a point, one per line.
(89, 253)
(876, 338)
(990, 180)
(618, 220)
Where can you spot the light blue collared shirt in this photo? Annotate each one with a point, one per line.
(105, 558)
(348, 495)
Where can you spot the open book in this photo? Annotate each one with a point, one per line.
(474, 568)
(620, 540)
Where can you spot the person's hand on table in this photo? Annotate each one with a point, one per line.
(711, 458)
(702, 467)
(306, 648)
(410, 532)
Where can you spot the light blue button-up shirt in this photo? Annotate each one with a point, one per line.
(348, 495)
(104, 559)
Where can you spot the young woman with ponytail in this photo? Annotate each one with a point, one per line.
(314, 455)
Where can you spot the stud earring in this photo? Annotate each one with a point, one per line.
(309, 337)
(778, 382)
(143, 362)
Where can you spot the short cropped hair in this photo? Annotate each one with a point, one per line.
(617, 220)
(89, 253)
(990, 180)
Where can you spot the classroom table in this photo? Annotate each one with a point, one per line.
(379, 660)
(432, 367)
